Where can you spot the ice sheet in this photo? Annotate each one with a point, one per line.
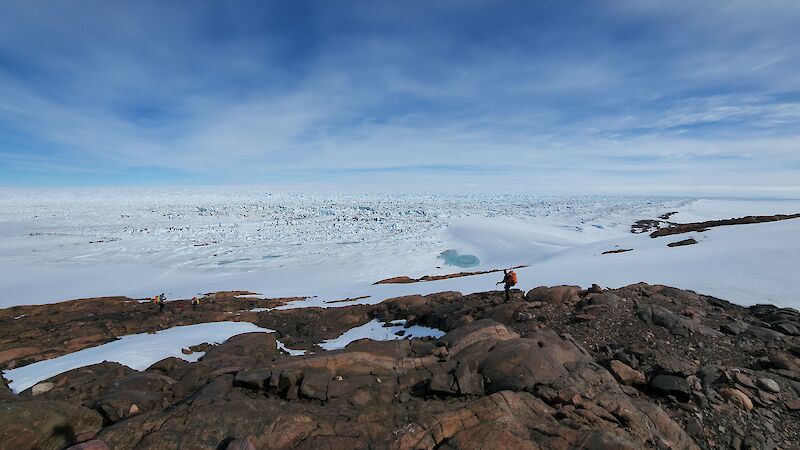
(67, 244)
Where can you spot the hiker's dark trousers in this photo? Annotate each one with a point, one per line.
(508, 292)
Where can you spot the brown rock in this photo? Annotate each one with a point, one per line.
(90, 445)
(521, 364)
(627, 374)
(737, 397)
(16, 353)
(555, 294)
(768, 384)
(583, 317)
(744, 380)
(486, 331)
(44, 424)
(41, 388)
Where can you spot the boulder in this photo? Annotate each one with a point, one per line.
(737, 397)
(520, 364)
(735, 327)
(677, 366)
(764, 334)
(626, 374)
(555, 294)
(487, 332)
(405, 303)
(670, 384)
(81, 385)
(768, 384)
(172, 367)
(607, 299)
(469, 381)
(249, 348)
(41, 388)
(676, 324)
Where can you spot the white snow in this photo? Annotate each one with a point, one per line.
(66, 244)
(76, 243)
(140, 351)
(714, 209)
(561, 240)
(376, 331)
(290, 351)
(137, 351)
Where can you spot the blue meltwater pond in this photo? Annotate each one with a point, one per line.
(452, 258)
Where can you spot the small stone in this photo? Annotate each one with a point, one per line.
(737, 397)
(793, 405)
(134, 409)
(41, 388)
(768, 384)
(766, 397)
(583, 317)
(744, 379)
(186, 351)
(626, 374)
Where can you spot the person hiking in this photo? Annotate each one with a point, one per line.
(195, 303)
(510, 280)
(161, 297)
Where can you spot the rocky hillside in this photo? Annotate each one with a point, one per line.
(556, 368)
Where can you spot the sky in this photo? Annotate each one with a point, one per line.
(630, 96)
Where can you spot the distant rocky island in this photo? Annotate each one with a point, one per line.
(560, 367)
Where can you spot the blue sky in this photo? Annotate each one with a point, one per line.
(621, 95)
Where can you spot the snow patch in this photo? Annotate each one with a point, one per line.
(137, 351)
(376, 331)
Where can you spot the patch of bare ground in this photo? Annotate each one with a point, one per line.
(619, 250)
(679, 228)
(690, 241)
(407, 280)
(47, 331)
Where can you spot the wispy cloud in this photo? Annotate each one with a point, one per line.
(538, 95)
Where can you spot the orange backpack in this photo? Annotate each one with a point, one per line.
(512, 278)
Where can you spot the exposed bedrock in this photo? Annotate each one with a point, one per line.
(554, 368)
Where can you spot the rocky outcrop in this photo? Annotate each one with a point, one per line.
(655, 367)
(679, 228)
(45, 424)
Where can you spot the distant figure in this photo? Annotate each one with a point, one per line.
(161, 297)
(510, 280)
(195, 303)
